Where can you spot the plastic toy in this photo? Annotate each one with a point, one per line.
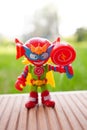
(37, 51)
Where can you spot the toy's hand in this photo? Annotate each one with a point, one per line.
(69, 71)
(20, 83)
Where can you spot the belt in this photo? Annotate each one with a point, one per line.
(38, 82)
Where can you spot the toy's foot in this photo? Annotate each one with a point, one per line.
(46, 99)
(49, 103)
(30, 104)
(33, 100)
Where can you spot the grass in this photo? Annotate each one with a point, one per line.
(10, 68)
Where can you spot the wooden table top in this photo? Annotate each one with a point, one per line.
(69, 113)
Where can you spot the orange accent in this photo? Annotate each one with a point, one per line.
(21, 86)
(38, 50)
(63, 57)
(38, 82)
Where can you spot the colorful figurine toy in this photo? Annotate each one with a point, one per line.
(37, 52)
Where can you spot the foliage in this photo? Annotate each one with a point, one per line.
(81, 34)
(4, 42)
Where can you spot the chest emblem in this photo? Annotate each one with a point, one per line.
(38, 71)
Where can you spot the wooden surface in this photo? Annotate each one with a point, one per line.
(69, 113)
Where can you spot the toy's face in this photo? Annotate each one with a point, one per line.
(38, 58)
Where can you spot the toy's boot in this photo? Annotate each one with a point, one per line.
(33, 100)
(46, 100)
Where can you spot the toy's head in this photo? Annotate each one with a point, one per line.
(36, 50)
(39, 50)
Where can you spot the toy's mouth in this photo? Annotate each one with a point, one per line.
(38, 62)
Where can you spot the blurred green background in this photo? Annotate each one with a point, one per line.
(48, 19)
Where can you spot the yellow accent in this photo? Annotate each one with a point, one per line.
(38, 50)
(50, 79)
(21, 86)
(25, 61)
(28, 79)
(49, 61)
(39, 82)
(49, 75)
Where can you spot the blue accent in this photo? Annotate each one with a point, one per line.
(44, 56)
(50, 49)
(54, 68)
(67, 72)
(34, 57)
(24, 74)
(27, 51)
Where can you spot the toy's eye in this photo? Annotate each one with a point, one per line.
(33, 57)
(44, 56)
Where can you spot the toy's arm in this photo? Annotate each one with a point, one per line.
(56, 68)
(20, 83)
(69, 71)
(62, 69)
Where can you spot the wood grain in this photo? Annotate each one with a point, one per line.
(69, 113)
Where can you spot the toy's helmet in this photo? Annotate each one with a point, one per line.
(36, 50)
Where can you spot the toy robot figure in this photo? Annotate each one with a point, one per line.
(38, 51)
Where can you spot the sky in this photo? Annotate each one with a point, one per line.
(14, 15)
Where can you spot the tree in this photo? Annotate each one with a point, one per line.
(45, 23)
(81, 34)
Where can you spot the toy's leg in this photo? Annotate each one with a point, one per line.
(33, 98)
(46, 99)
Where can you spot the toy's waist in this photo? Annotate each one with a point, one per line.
(38, 82)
